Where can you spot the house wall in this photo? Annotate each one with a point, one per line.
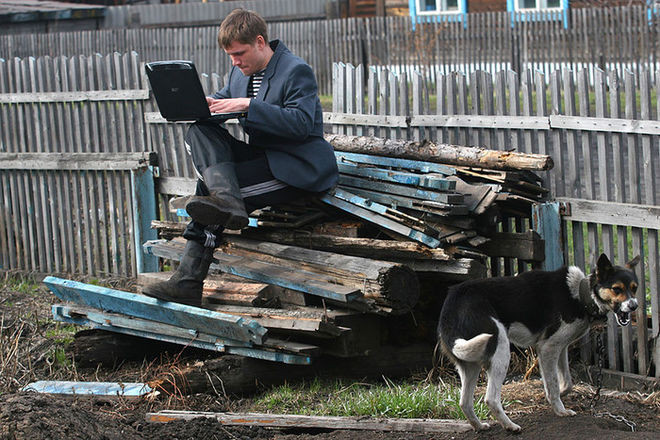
(486, 5)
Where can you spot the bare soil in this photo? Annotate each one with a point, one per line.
(30, 342)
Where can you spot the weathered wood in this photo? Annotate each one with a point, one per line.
(612, 213)
(81, 96)
(526, 246)
(389, 284)
(141, 306)
(442, 153)
(262, 271)
(76, 161)
(361, 247)
(327, 422)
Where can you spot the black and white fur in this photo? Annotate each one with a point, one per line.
(544, 310)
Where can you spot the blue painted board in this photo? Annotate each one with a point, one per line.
(371, 212)
(92, 316)
(144, 212)
(141, 306)
(408, 164)
(546, 221)
(396, 201)
(274, 356)
(124, 389)
(402, 190)
(431, 181)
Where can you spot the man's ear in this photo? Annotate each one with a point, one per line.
(632, 263)
(603, 267)
(260, 41)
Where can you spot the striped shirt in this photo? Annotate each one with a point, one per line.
(255, 84)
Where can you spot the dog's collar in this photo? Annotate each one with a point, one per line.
(588, 297)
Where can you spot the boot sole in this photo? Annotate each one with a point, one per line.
(208, 214)
(167, 298)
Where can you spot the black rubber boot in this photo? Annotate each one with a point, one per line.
(224, 206)
(185, 285)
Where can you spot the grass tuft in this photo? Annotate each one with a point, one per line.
(386, 399)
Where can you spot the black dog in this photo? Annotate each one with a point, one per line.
(544, 310)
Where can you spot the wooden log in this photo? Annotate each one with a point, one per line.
(441, 153)
(389, 284)
(322, 422)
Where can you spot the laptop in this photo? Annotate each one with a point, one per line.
(179, 93)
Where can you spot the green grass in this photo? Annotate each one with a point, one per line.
(386, 399)
(19, 284)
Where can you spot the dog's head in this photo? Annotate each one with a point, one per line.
(615, 288)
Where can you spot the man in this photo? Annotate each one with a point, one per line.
(286, 157)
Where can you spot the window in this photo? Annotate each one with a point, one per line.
(435, 7)
(539, 5)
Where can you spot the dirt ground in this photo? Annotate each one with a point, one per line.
(31, 350)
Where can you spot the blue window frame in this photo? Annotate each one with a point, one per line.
(437, 10)
(539, 10)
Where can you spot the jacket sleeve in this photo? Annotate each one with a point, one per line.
(294, 119)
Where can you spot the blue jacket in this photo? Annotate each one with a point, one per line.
(286, 120)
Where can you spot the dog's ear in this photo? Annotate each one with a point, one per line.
(632, 263)
(603, 267)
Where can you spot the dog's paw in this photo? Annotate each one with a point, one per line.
(513, 427)
(565, 412)
(481, 426)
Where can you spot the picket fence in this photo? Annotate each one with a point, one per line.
(80, 218)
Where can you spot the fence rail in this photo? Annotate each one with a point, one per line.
(602, 137)
(616, 38)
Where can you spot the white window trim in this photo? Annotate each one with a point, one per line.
(537, 8)
(436, 12)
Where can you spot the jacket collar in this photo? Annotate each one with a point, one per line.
(278, 49)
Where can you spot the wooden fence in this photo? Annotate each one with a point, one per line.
(604, 140)
(608, 38)
(72, 165)
(197, 13)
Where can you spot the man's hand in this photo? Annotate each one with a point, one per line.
(228, 105)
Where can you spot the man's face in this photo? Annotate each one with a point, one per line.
(249, 58)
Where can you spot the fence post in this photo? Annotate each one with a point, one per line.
(144, 211)
(546, 221)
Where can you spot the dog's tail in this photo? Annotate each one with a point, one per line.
(471, 350)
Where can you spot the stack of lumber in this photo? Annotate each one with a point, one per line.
(344, 274)
(334, 272)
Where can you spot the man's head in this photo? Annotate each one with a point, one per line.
(243, 35)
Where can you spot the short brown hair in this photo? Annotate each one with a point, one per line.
(243, 26)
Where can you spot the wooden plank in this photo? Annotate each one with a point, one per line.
(528, 246)
(363, 247)
(327, 422)
(141, 306)
(398, 201)
(547, 223)
(371, 212)
(394, 162)
(611, 213)
(144, 212)
(114, 389)
(403, 190)
(69, 97)
(430, 181)
(76, 161)
(612, 125)
(265, 272)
